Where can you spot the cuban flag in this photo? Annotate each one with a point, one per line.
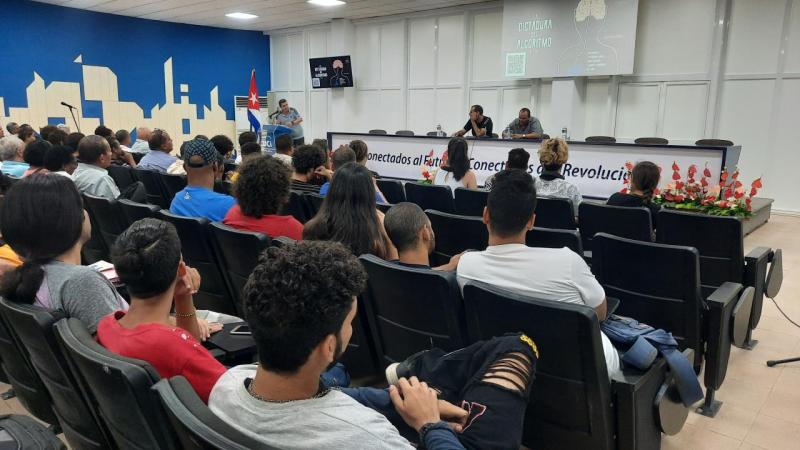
(253, 107)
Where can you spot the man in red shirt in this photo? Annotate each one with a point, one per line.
(261, 189)
(147, 258)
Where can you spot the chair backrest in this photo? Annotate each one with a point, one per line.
(715, 142)
(172, 184)
(656, 284)
(23, 378)
(622, 221)
(404, 133)
(133, 211)
(556, 213)
(198, 252)
(570, 402)
(222, 187)
(455, 233)
(313, 202)
(470, 202)
(296, 207)
(377, 131)
(412, 309)
(432, 133)
(122, 176)
(238, 252)
(551, 238)
(651, 140)
(605, 139)
(107, 215)
(196, 426)
(95, 249)
(32, 326)
(719, 240)
(121, 389)
(392, 190)
(430, 196)
(153, 186)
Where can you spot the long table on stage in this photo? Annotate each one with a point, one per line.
(597, 169)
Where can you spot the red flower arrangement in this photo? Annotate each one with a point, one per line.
(726, 198)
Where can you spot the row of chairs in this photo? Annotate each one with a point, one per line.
(161, 187)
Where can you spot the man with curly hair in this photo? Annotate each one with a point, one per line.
(198, 199)
(262, 188)
(300, 302)
(309, 161)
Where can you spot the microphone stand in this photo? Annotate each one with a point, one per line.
(73, 118)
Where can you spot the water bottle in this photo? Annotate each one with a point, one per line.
(564, 134)
(439, 131)
(507, 133)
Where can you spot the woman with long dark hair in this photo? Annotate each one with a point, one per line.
(349, 215)
(44, 223)
(456, 171)
(645, 177)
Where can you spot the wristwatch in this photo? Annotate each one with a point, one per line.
(425, 429)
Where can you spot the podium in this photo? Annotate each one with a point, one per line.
(270, 133)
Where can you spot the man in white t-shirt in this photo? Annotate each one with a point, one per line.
(544, 273)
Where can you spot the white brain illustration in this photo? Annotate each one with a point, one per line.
(594, 8)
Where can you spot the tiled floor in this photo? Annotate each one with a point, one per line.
(761, 405)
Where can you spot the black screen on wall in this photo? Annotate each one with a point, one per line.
(331, 72)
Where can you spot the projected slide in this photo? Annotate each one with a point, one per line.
(568, 38)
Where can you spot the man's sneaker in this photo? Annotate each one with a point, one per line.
(404, 369)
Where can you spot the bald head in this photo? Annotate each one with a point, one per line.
(143, 133)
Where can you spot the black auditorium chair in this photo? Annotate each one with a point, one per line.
(714, 142)
(172, 184)
(122, 176)
(223, 187)
(120, 387)
(376, 131)
(659, 285)
(282, 241)
(470, 202)
(238, 252)
(720, 242)
(556, 213)
(545, 136)
(392, 190)
(404, 133)
(32, 327)
(455, 234)
(602, 139)
(137, 156)
(551, 238)
(198, 252)
(651, 140)
(622, 221)
(430, 196)
(132, 211)
(411, 309)
(573, 403)
(25, 382)
(95, 249)
(153, 186)
(361, 359)
(432, 133)
(296, 207)
(313, 202)
(108, 216)
(196, 426)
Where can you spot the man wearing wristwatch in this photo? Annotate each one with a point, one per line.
(525, 126)
(300, 302)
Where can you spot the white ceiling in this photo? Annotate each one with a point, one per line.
(272, 14)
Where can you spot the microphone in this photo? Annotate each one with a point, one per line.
(68, 105)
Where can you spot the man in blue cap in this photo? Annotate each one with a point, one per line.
(200, 159)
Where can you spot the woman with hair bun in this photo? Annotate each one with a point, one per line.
(644, 181)
(553, 154)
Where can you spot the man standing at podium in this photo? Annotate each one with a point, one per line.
(289, 117)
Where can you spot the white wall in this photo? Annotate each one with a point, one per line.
(704, 68)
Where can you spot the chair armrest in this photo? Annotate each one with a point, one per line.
(612, 305)
(717, 324)
(755, 275)
(633, 393)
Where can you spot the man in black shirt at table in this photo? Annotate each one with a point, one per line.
(480, 125)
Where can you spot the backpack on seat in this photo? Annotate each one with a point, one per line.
(25, 433)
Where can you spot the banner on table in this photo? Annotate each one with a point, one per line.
(597, 170)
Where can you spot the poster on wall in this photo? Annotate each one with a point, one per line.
(331, 72)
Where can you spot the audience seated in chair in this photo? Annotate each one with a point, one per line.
(300, 303)
(198, 199)
(158, 159)
(59, 159)
(284, 149)
(545, 273)
(349, 215)
(147, 258)
(249, 151)
(34, 156)
(309, 163)
(119, 157)
(11, 150)
(410, 231)
(362, 154)
(644, 182)
(261, 190)
(142, 144)
(456, 172)
(224, 146)
(91, 176)
(44, 221)
(517, 159)
(342, 156)
(73, 139)
(553, 154)
(247, 137)
(124, 138)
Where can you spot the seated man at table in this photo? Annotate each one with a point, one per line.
(480, 125)
(147, 258)
(410, 231)
(525, 126)
(545, 273)
(198, 199)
